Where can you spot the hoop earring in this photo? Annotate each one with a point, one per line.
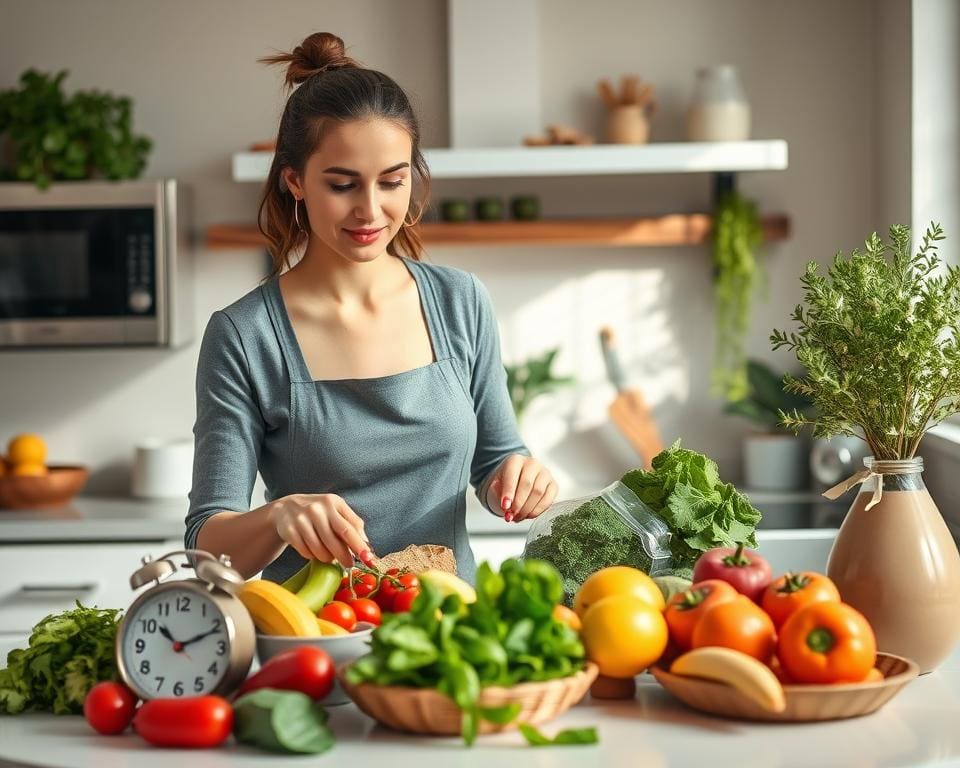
(296, 213)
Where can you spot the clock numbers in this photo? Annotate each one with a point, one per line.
(139, 645)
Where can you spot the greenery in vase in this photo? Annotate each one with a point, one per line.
(531, 378)
(879, 337)
(51, 136)
(766, 398)
(736, 235)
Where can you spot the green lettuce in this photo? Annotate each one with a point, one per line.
(67, 654)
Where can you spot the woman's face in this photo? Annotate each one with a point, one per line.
(356, 187)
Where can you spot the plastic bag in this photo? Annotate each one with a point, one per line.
(580, 536)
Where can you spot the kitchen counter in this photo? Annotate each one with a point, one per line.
(917, 728)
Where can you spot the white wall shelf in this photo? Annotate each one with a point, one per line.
(604, 159)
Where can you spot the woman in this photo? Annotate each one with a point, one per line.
(365, 385)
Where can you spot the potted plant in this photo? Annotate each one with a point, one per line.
(531, 378)
(879, 337)
(774, 458)
(50, 136)
(736, 236)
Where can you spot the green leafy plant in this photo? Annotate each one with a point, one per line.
(766, 398)
(51, 136)
(878, 337)
(736, 235)
(532, 378)
(508, 636)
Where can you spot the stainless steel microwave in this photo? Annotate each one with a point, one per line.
(95, 264)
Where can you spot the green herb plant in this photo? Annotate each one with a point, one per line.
(683, 489)
(736, 236)
(508, 636)
(766, 399)
(532, 378)
(878, 337)
(67, 654)
(52, 136)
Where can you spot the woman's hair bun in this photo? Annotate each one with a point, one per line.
(318, 53)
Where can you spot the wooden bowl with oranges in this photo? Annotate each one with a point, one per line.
(28, 482)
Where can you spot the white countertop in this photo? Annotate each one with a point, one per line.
(917, 728)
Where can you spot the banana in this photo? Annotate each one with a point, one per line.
(748, 675)
(329, 628)
(275, 611)
(449, 584)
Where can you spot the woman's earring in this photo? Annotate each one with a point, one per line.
(296, 213)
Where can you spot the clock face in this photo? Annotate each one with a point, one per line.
(176, 644)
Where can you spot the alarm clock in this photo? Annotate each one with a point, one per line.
(188, 637)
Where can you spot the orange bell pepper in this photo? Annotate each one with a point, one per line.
(792, 591)
(827, 643)
(685, 608)
(739, 624)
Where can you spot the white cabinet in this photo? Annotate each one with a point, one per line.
(40, 579)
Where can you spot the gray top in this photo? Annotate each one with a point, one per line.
(399, 449)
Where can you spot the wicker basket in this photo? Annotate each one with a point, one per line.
(426, 710)
(805, 703)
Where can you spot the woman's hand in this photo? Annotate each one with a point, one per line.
(321, 526)
(522, 488)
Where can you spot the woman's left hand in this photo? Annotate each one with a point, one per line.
(522, 488)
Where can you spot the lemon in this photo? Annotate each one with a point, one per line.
(618, 580)
(27, 449)
(28, 470)
(623, 635)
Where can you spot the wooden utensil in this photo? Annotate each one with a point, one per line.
(629, 410)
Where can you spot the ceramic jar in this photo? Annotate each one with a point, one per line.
(719, 110)
(895, 561)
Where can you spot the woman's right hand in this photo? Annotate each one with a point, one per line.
(321, 526)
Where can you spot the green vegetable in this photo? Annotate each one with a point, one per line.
(320, 585)
(67, 654)
(683, 489)
(53, 136)
(508, 636)
(569, 736)
(281, 721)
(879, 340)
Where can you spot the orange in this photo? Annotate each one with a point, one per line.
(618, 580)
(27, 449)
(739, 624)
(28, 470)
(567, 616)
(623, 635)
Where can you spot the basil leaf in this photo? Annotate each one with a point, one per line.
(570, 736)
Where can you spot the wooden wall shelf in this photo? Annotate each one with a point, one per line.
(673, 229)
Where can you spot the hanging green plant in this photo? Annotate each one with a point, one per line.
(736, 236)
(52, 137)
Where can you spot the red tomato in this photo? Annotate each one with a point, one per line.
(745, 570)
(408, 580)
(339, 613)
(196, 721)
(364, 584)
(403, 601)
(109, 707)
(366, 610)
(343, 595)
(306, 668)
(389, 589)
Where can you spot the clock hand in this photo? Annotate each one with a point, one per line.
(200, 636)
(166, 633)
(177, 646)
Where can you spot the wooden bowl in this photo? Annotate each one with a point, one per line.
(805, 703)
(54, 489)
(426, 710)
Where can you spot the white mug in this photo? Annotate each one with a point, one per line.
(163, 469)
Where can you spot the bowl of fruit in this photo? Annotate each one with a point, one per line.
(28, 482)
(743, 644)
(323, 606)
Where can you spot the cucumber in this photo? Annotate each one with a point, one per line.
(281, 721)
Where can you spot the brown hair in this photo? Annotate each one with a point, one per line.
(332, 86)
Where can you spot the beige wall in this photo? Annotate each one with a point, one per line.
(810, 70)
